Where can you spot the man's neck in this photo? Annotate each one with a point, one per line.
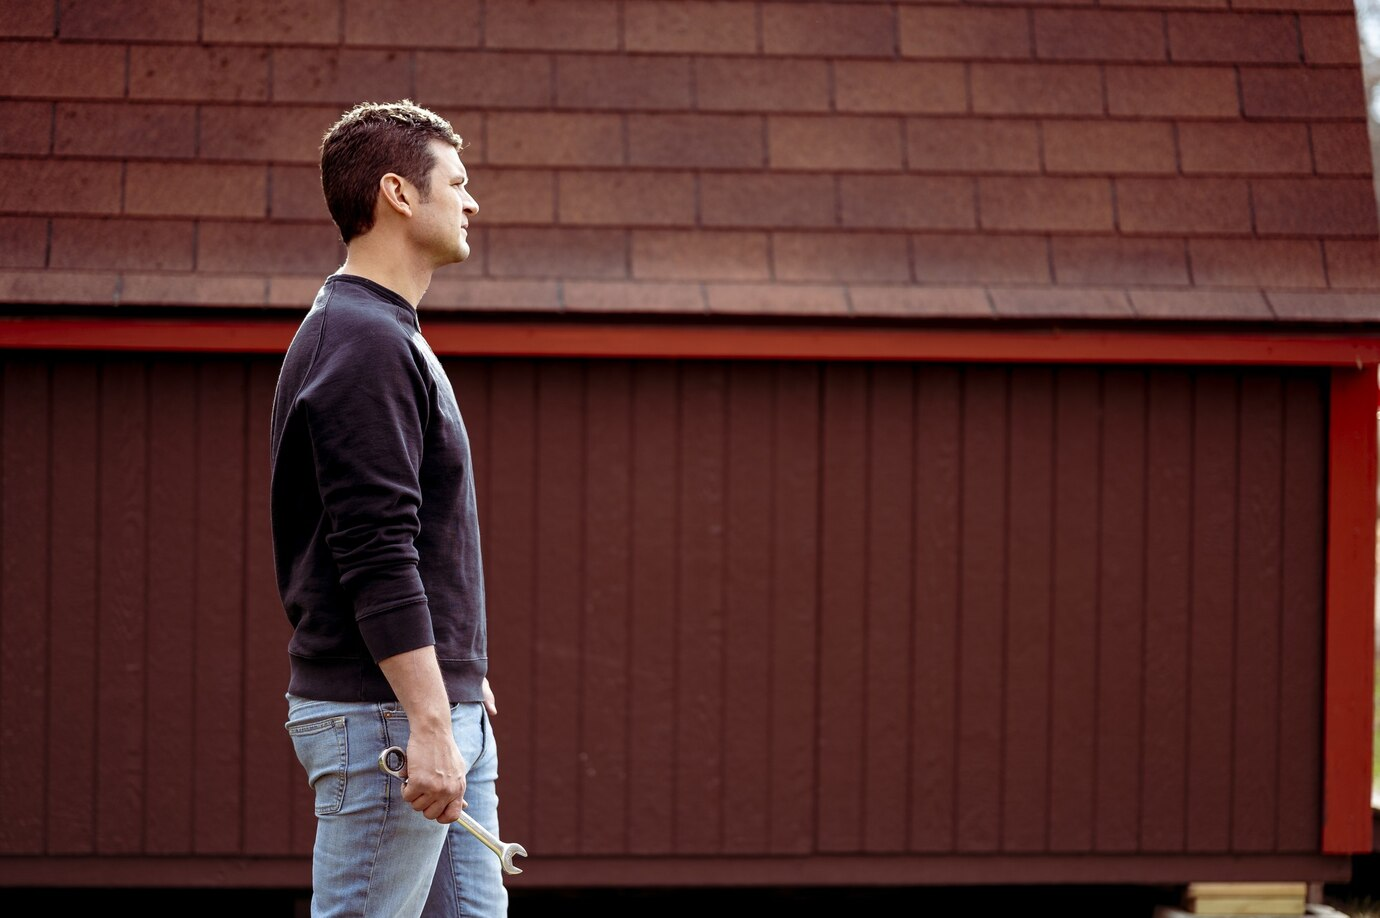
(393, 270)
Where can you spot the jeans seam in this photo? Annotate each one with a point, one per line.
(383, 823)
(453, 867)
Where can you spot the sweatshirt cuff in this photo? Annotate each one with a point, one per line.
(397, 630)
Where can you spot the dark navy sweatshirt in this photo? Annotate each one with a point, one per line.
(375, 530)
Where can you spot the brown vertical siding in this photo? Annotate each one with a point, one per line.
(510, 579)
(982, 515)
(269, 804)
(1073, 639)
(1168, 594)
(938, 478)
(121, 607)
(793, 653)
(604, 706)
(174, 462)
(25, 613)
(840, 791)
(1300, 677)
(887, 596)
(747, 599)
(1029, 604)
(1121, 597)
(651, 717)
(72, 588)
(698, 777)
(1210, 652)
(1255, 738)
(735, 608)
(558, 549)
(217, 645)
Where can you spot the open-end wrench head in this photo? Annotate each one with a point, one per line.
(509, 851)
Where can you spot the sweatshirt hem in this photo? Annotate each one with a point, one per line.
(361, 680)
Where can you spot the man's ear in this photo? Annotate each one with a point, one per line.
(396, 192)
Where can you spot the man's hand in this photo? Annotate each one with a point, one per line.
(489, 704)
(435, 784)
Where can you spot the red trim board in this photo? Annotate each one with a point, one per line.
(1350, 630)
(713, 341)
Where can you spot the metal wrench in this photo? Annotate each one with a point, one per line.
(393, 761)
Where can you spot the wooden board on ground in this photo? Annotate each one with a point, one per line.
(1246, 898)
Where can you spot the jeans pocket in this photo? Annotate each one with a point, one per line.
(323, 748)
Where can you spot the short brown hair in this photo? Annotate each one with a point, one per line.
(369, 141)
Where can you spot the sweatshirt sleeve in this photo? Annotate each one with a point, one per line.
(367, 410)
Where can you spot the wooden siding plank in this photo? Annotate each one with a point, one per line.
(699, 616)
(1302, 614)
(471, 380)
(268, 803)
(605, 662)
(72, 622)
(558, 542)
(748, 608)
(981, 675)
(219, 762)
(1211, 674)
(120, 742)
(651, 740)
(890, 461)
(1073, 667)
(793, 652)
(1169, 565)
(24, 606)
(172, 516)
(1120, 652)
(1255, 744)
(1030, 490)
(840, 791)
(934, 699)
(510, 583)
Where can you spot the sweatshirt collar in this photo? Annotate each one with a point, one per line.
(392, 296)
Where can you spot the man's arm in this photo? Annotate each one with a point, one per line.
(435, 782)
(366, 412)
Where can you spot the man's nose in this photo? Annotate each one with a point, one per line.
(472, 206)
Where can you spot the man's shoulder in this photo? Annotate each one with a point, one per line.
(352, 333)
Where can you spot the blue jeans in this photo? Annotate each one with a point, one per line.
(374, 854)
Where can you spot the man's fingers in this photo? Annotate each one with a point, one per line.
(433, 806)
(490, 704)
(452, 813)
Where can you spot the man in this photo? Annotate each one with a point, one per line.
(376, 541)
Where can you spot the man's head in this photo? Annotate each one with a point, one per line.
(374, 140)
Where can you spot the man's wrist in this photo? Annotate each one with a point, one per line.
(429, 727)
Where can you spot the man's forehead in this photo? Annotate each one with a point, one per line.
(448, 158)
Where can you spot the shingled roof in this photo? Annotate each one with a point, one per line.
(1152, 161)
